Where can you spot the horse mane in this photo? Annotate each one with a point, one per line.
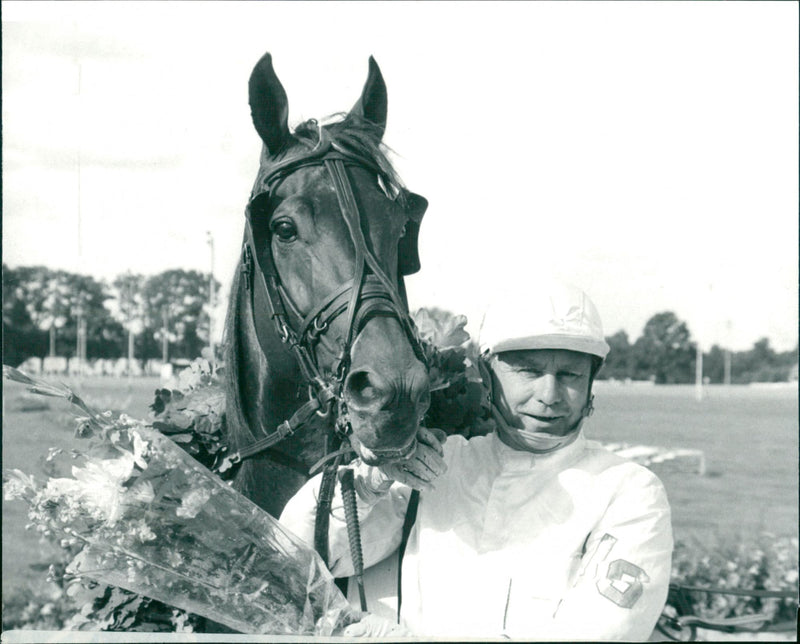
(236, 419)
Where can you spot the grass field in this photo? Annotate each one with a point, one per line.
(749, 435)
(31, 425)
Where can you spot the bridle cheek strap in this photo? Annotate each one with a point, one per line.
(364, 259)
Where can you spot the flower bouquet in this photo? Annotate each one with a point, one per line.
(459, 397)
(154, 521)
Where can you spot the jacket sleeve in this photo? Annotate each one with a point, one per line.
(380, 515)
(621, 584)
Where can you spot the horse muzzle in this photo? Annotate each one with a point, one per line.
(385, 412)
(381, 456)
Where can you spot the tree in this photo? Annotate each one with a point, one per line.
(53, 302)
(714, 364)
(619, 362)
(175, 310)
(87, 298)
(21, 337)
(762, 364)
(130, 309)
(44, 292)
(665, 351)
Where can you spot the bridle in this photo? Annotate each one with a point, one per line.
(369, 291)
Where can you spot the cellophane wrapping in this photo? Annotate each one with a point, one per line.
(156, 522)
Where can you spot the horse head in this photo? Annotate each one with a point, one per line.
(330, 234)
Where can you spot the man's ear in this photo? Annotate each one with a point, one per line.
(486, 375)
(588, 408)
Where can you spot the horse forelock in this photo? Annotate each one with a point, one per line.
(349, 133)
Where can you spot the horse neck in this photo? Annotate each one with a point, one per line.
(264, 388)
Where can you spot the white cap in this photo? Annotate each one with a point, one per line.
(551, 315)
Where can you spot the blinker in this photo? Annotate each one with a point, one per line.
(408, 261)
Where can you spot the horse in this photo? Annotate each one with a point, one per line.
(318, 310)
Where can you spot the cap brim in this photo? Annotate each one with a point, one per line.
(581, 344)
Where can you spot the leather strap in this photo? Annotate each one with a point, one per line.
(411, 517)
(284, 430)
(326, 490)
(353, 532)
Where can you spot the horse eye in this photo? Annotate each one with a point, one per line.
(284, 230)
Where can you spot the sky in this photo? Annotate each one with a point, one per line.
(644, 151)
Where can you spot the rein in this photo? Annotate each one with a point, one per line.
(368, 291)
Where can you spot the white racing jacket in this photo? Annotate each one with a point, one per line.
(576, 544)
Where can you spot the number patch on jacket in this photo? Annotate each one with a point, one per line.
(623, 584)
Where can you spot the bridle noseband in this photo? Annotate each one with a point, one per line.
(370, 290)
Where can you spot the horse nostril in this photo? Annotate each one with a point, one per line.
(363, 388)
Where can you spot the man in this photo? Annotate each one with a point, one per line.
(533, 531)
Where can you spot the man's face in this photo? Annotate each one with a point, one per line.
(542, 390)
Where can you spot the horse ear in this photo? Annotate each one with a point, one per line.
(269, 106)
(373, 103)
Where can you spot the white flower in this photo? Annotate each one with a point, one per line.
(108, 471)
(97, 488)
(142, 492)
(140, 450)
(94, 495)
(192, 503)
(179, 619)
(142, 531)
(17, 485)
(174, 559)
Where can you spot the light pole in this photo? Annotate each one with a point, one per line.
(698, 373)
(726, 377)
(211, 296)
(80, 348)
(78, 326)
(165, 329)
(53, 338)
(129, 315)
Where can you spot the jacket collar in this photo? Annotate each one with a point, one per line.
(509, 458)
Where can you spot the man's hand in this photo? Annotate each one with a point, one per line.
(425, 463)
(374, 626)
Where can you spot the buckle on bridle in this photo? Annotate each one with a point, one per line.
(316, 330)
(247, 267)
(284, 331)
(323, 395)
(343, 426)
